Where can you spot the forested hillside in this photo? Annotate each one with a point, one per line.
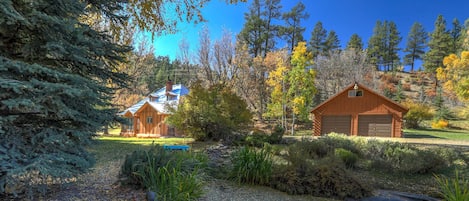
(258, 63)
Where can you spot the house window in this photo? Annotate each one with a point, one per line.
(130, 123)
(355, 93)
(149, 120)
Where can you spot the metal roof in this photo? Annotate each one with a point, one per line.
(162, 100)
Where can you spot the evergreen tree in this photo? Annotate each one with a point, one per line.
(383, 45)
(376, 46)
(439, 44)
(393, 39)
(465, 36)
(318, 39)
(332, 43)
(442, 112)
(293, 31)
(416, 44)
(55, 75)
(271, 13)
(399, 96)
(355, 43)
(259, 31)
(456, 36)
(253, 30)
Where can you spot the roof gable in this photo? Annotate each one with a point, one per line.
(160, 101)
(361, 87)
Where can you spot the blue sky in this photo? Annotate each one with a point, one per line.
(345, 17)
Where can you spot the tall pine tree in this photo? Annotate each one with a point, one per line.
(456, 36)
(383, 45)
(55, 73)
(318, 39)
(293, 31)
(393, 39)
(332, 43)
(416, 44)
(259, 31)
(355, 43)
(439, 44)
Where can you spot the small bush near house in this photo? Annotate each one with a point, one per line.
(251, 166)
(212, 112)
(416, 114)
(440, 124)
(172, 175)
(334, 140)
(455, 189)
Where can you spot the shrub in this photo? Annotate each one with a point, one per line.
(326, 178)
(416, 114)
(403, 158)
(256, 139)
(349, 158)
(453, 189)
(251, 166)
(172, 182)
(173, 175)
(334, 140)
(440, 124)
(211, 113)
(276, 135)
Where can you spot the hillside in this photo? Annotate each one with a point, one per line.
(417, 86)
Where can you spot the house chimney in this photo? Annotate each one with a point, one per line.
(169, 85)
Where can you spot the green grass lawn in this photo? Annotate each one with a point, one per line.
(446, 134)
(110, 148)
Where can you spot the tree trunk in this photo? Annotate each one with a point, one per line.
(293, 124)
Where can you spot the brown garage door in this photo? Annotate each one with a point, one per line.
(338, 124)
(375, 125)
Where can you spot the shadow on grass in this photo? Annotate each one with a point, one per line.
(440, 130)
(418, 135)
(114, 149)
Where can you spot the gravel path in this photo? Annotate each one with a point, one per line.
(101, 184)
(220, 190)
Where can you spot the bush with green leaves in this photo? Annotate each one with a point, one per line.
(212, 112)
(251, 166)
(276, 135)
(256, 139)
(416, 114)
(326, 177)
(406, 158)
(173, 175)
(453, 189)
(335, 140)
(349, 158)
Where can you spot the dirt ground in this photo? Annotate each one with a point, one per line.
(102, 185)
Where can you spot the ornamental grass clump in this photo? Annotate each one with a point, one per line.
(173, 175)
(453, 189)
(251, 166)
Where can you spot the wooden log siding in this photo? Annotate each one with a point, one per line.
(156, 126)
(370, 103)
